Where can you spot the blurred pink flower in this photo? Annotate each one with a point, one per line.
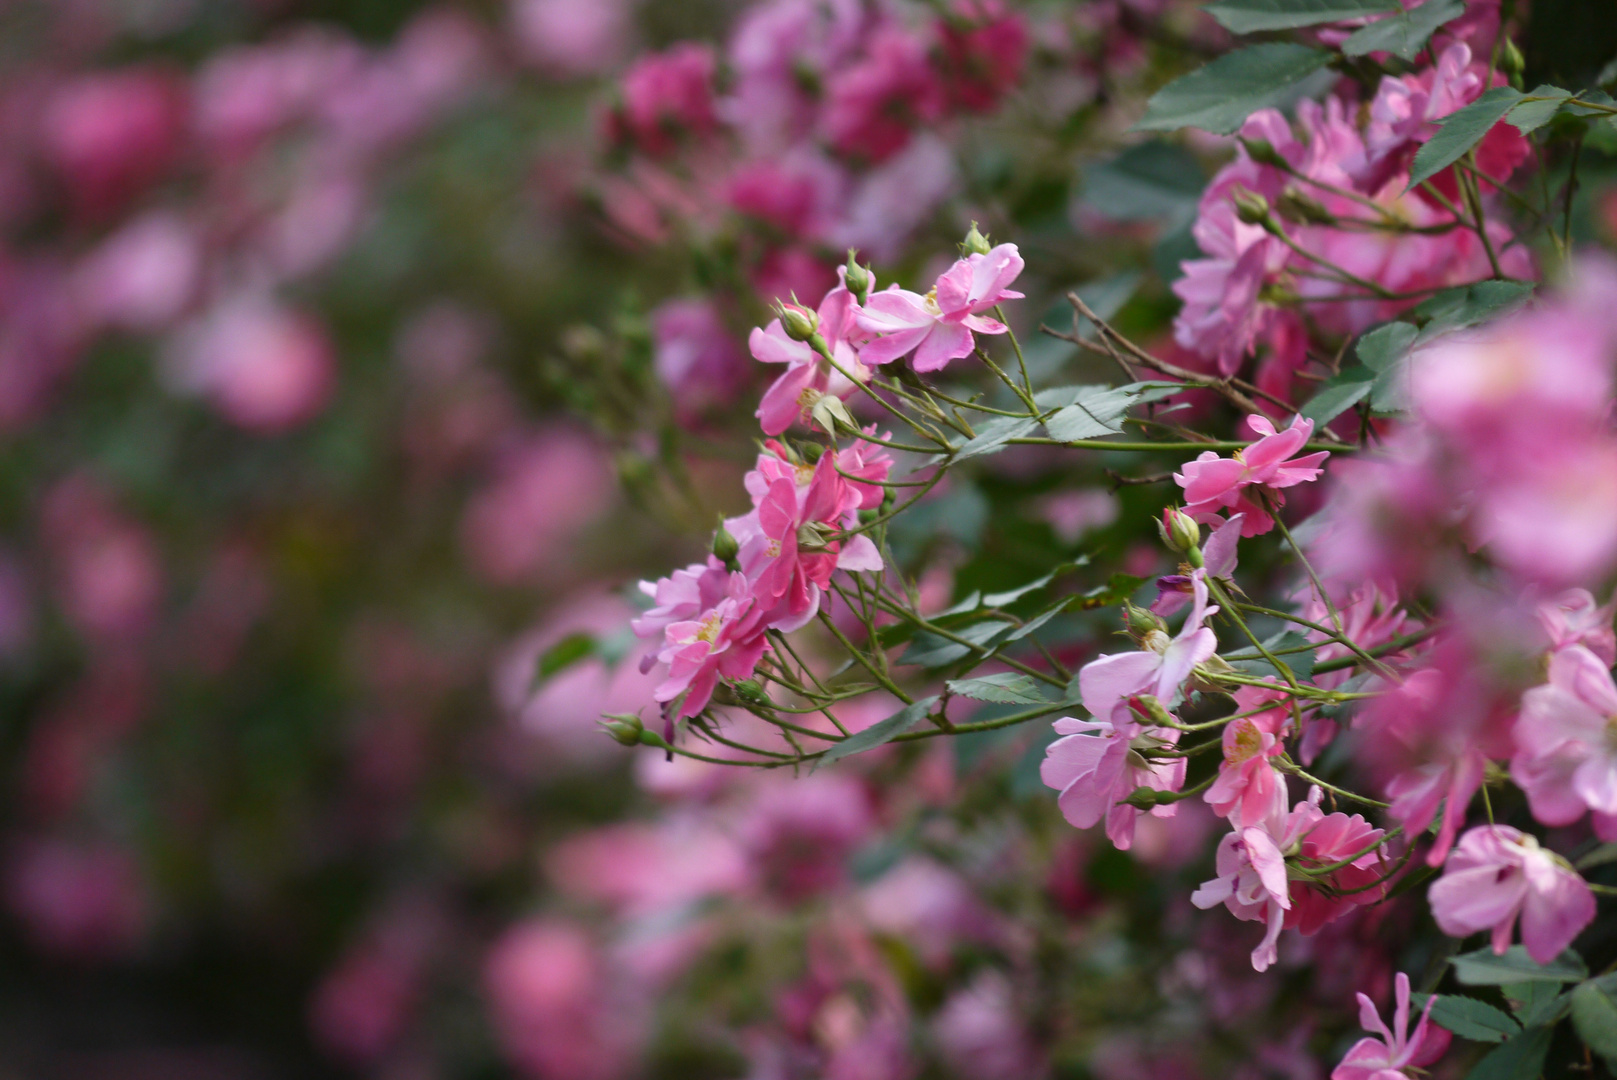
(108, 575)
(933, 909)
(1574, 618)
(798, 834)
(647, 870)
(874, 104)
(87, 902)
(1497, 873)
(986, 47)
(571, 38)
(695, 355)
(981, 1031)
(543, 491)
(1386, 1057)
(265, 367)
(557, 1008)
(112, 133)
(1566, 760)
(365, 1004)
(143, 276)
(666, 95)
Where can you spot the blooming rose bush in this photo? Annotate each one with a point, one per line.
(1096, 534)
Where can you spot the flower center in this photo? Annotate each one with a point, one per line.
(1246, 745)
(1156, 641)
(711, 622)
(932, 302)
(807, 398)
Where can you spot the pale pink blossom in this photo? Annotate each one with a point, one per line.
(1214, 483)
(570, 38)
(559, 1010)
(1392, 1052)
(981, 1030)
(1573, 618)
(144, 276)
(1497, 873)
(265, 367)
(1097, 763)
(695, 355)
(543, 490)
(938, 327)
(1160, 668)
(1566, 757)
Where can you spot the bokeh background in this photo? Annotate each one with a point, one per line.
(356, 357)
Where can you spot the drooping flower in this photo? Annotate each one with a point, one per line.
(1566, 752)
(937, 327)
(1253, 882)
(1387, 1057)
(1214, 483)
(1497, 873)
(1160, 668)
(1247, 788)
(1098, 763)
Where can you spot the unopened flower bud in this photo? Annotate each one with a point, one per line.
(751, 691)
(1179, 531)
(1250, 207)
(626, 728)
(1511, 60)
(1144, 798)
(725, 548)
(857, 278)
(1262, 152)
(976, 243)
(1150, 711)
(799, 322)
(1141, 622)
(1302, 209)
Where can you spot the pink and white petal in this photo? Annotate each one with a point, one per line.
(946, 342)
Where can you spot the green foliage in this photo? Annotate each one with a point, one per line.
(879, 733)
(1406, 33)
(1221, 95)
(1250, 16)
(1483, 968)
(1462, 131)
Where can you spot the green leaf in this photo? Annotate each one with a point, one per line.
(1250, 16)
(1594, 1014)
(1010, 596)
(1098, 411)
(565, 653)
(1339, 394)
(1600, 856)
(930, 650)
(1009, 688)
(1385, 346)
(1461, 131)
(1149, 182)
(1520, 1058)
(1405, 34)
(1037, 621)
(994, 434)
(1483, 968)
(879, 733)
(1220, 96)
(1118, 588)
(1529, 116)
(1301, 662)
(1469, 1018)
(1467, 305)
(1535, 1003)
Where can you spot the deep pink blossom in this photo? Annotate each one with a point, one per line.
(1497, 873)
(938, 327)
(985, 46)
(873, 105)
(726, 640)
(665, 96)
(1099, 762)
(1388, 1056)
(112, 133)
(1214, 483)
(1566, 758)
(1160, 668)
(1252, 879)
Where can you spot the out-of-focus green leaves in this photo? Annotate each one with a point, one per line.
(1251, 16)
(1404, 34)
(1483, 968)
